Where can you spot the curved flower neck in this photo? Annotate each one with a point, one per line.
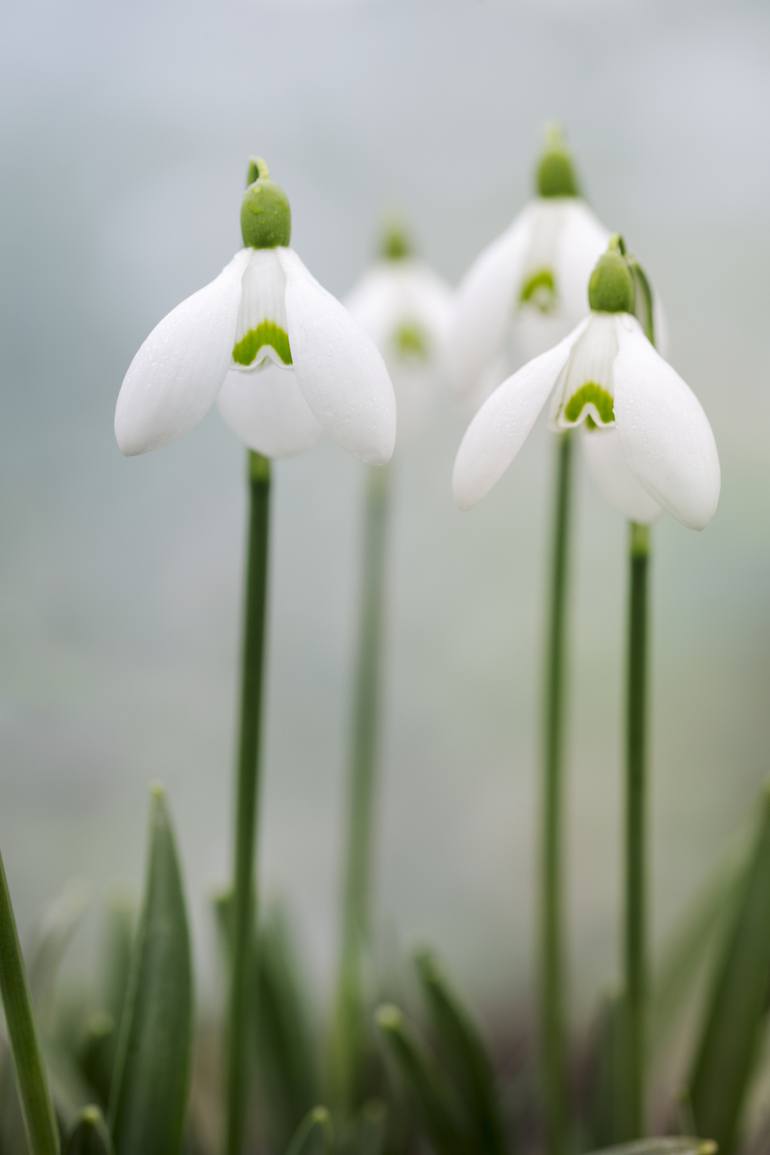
(265, 209)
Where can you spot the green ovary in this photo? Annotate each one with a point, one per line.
(246, 350)
(539, 291)
(410, 341)
(590, 394)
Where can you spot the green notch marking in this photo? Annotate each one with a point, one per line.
(411, 341)
(590, 394)
(246, 350)
(539, 291)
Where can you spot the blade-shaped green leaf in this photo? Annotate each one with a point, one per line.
(314, 1135)
(154, 1041)
(608, 1087)
(285, 1042)
(90, 1135)
(30, 1072)
(372, 1128)
(690, 945)
(96, 1055)
(463, 1054)
(118, 941)
(425, 1083)
(736, 1010)
(677, 1146)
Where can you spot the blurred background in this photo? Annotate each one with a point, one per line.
(124, 135)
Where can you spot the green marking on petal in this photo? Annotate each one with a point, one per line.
(539, 291)
(411, 341)
(590, 394)
(246, 351)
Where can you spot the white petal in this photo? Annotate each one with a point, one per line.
(483, 313)
(504, 422)
(339, 369)
(267, 411)
(613, 478)
(173, 380)
(583, 240)
(666, 436)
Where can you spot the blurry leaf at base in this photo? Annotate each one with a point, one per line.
(118, 940)
(736, 1011)
(314, 1134)
(690, 945)
(463, 1056)
(678, 1146)
(90, 1135)
(151, 1079)
(432, 1097)
(607, 1086)
(30, 1071)
(96, 1055)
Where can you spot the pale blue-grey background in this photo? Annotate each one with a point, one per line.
(124, 132)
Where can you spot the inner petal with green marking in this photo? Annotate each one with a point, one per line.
(262, 330)
(590, 403)
(265, 340)
(411, 341)
(538, 290)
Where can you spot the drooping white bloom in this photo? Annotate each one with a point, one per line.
(405, 307)
(283, 358)
(648, 442)
(526, 290)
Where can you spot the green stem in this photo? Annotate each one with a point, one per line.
(362, 791)
(36, 1102)
(635, 933)
(551, 945)
(238, 1042)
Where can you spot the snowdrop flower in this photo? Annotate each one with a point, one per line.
(283, 358)
(405, 307)
(526, 290)
(649, 444)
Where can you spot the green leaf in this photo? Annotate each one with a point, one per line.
(608, 1107)
(151, 1077)
(313, 1135)
(422, 1078)
(30, 1072)
(736, 1011)
(372, 1128)
(283, 1032)
(53, 936)
(90, 1135)
(463, 1053)
(96, 1055)
(690, 945)
(679, 1146)
(118, 943)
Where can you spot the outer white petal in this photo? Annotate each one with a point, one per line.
(583, 240)
(504, 422)
(666, 436)
(267, 411)
(173, 380)
(613, 478)
(338, 368)
(580, 239)
(373, 303)
(483, 313)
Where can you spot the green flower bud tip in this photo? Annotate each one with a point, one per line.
(396, 244)
(265, 209)
(555, 174)
(611, 286)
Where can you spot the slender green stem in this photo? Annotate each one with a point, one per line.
(635, 933)
(238, 1042)
(362, 787)
(36, 1102)
(551, 967)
